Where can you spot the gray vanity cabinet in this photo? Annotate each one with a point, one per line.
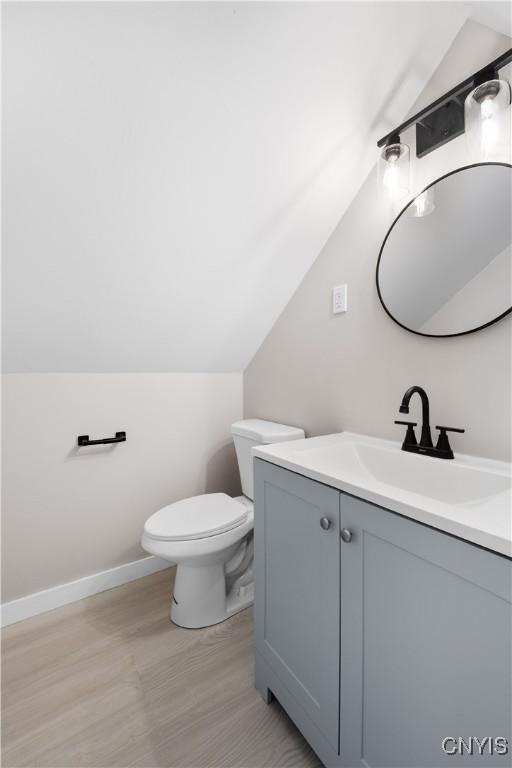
(297, 586)
(425, 643)
(421, 649)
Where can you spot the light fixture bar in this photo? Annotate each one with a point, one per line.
(451, 102)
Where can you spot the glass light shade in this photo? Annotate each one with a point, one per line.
(423, 204)
(487, 121)
(394, 173)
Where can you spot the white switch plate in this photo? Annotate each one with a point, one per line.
(339, 299)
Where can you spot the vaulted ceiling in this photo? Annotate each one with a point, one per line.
(172, 170)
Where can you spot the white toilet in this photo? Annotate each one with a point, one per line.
(210, 539)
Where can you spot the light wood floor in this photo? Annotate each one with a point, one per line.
(109, 681)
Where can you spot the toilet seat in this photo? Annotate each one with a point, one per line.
(197, 517)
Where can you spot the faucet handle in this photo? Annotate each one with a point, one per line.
(443, 447)
(410, 437)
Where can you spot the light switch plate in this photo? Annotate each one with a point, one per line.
(339, 299)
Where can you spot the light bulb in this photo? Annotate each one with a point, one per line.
(489, 139)
(488, 107)
(489, 129)
(393, 170)
(390, 175)
(487, 126)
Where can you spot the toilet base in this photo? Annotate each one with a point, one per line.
(243, 599)
(199, 598)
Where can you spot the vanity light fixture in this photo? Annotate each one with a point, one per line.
(487, 117)
(394, 169)
(480, 105)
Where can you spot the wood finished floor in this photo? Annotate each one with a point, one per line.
(109, 681)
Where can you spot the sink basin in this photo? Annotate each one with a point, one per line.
(444, 480)
(467, 496)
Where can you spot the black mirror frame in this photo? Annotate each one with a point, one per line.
(418, 333)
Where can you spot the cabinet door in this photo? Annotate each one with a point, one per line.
(425, 643)
(297, 589)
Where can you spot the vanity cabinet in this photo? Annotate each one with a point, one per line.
(426, 643)
(297, 612)
(380, 646)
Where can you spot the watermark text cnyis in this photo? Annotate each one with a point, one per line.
(474, 745)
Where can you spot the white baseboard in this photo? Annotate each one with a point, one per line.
(48, 599)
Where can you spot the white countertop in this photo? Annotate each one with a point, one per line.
(469, 497)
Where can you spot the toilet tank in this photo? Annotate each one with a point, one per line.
(250, 432)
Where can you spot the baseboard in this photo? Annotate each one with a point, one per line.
(48, 599)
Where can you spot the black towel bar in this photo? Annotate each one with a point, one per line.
(119, 438)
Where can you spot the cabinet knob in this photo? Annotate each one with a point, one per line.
(346, 535)
(325, 523)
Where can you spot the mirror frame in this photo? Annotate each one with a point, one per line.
(418, 333)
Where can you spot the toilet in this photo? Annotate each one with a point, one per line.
(210, 538)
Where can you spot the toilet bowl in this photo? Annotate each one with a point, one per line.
(210, 538)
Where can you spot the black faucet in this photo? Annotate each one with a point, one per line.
(426, 436)
(443, 449)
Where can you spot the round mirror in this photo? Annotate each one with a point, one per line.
(444, 268)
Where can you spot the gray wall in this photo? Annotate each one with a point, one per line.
(68, 512)
(329, 372)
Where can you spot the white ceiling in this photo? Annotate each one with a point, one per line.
(172, 170)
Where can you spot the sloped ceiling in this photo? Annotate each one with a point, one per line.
(171, 170)
(496, 15)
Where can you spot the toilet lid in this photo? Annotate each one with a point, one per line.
(196, 518)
